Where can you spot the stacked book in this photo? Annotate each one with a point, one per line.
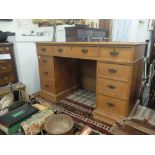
(10, 122)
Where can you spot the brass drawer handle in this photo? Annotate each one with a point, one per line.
(3, 68)
(114, 53)
(112, 70)
(60, 50)
(46, 85)
(43, 49)
(110, 104)
(45, 61)
(84, 51)
(46, 72)
(111, 86)
(6, 78)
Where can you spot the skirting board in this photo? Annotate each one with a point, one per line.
(53, 98)
(105, 117)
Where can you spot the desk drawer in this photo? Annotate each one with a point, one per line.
(44, 50)
(120, 54)
(4, 50)
(113, 88)
(45, 62)
(6, 66)
(6, 78)
(47, 85)
(84, 52)
(61, 50)
(114, 71)
(112, 105)
(46, 73)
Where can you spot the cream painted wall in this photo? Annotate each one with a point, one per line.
(18, 26)
(26, 25)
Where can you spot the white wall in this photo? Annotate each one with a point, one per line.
(25, 26)
(18, 26)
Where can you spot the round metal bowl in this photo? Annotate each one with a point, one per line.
(59, 124)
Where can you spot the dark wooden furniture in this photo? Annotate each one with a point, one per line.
(84, 34)
(114, 74)
(7, 64)
(106, 25)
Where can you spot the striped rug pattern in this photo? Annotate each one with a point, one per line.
(82, 114)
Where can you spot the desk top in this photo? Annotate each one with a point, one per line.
(94, 43)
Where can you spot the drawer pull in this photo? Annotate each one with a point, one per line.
(112, 70)
(84, 51)
(7, 48)
(43, 49)
(111, 86)
(46, 72)
(110, 104)
(45, 61)
(114, 53)
(6, 78)
(60, 50)
(3, 68)
(46, 85)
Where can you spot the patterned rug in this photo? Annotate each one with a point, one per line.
(82, 114)
(84, 97)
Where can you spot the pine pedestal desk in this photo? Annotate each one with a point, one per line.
(118, 72)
